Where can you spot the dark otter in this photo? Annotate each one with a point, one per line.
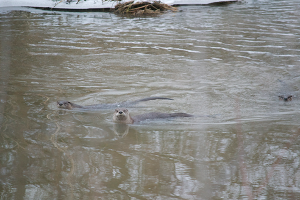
(286, 97)
(69, 105)
(122, 115)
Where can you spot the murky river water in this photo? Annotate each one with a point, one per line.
(226, 65)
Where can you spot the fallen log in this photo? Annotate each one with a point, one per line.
(142, 8)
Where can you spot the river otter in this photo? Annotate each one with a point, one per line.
(122, 115)
(286, 97)
(69, 105)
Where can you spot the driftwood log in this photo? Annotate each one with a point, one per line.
(142, 8)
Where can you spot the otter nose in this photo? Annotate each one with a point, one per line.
(60, 104)
(120, 112)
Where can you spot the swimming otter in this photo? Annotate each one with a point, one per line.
(122, 115)
(69, 105)
(286, 97)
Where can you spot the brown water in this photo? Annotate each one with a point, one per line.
(226, 65)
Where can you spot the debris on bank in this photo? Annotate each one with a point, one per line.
(142, 8)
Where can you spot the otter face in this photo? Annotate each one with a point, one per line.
(286, 97)
(64, 104)
(121, 114)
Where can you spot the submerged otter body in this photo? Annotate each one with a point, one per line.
(122, 115)
(69, 105)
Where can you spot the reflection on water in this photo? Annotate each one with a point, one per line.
(226, 65)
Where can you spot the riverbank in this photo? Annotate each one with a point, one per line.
(95, 5)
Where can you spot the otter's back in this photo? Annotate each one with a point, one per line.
(158, 115)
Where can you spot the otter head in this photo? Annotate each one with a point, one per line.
(121, 114)
(286, 97)
(64, 104)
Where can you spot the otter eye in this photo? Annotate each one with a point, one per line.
(290, 98)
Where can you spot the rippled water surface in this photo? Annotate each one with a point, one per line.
(226, 65)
